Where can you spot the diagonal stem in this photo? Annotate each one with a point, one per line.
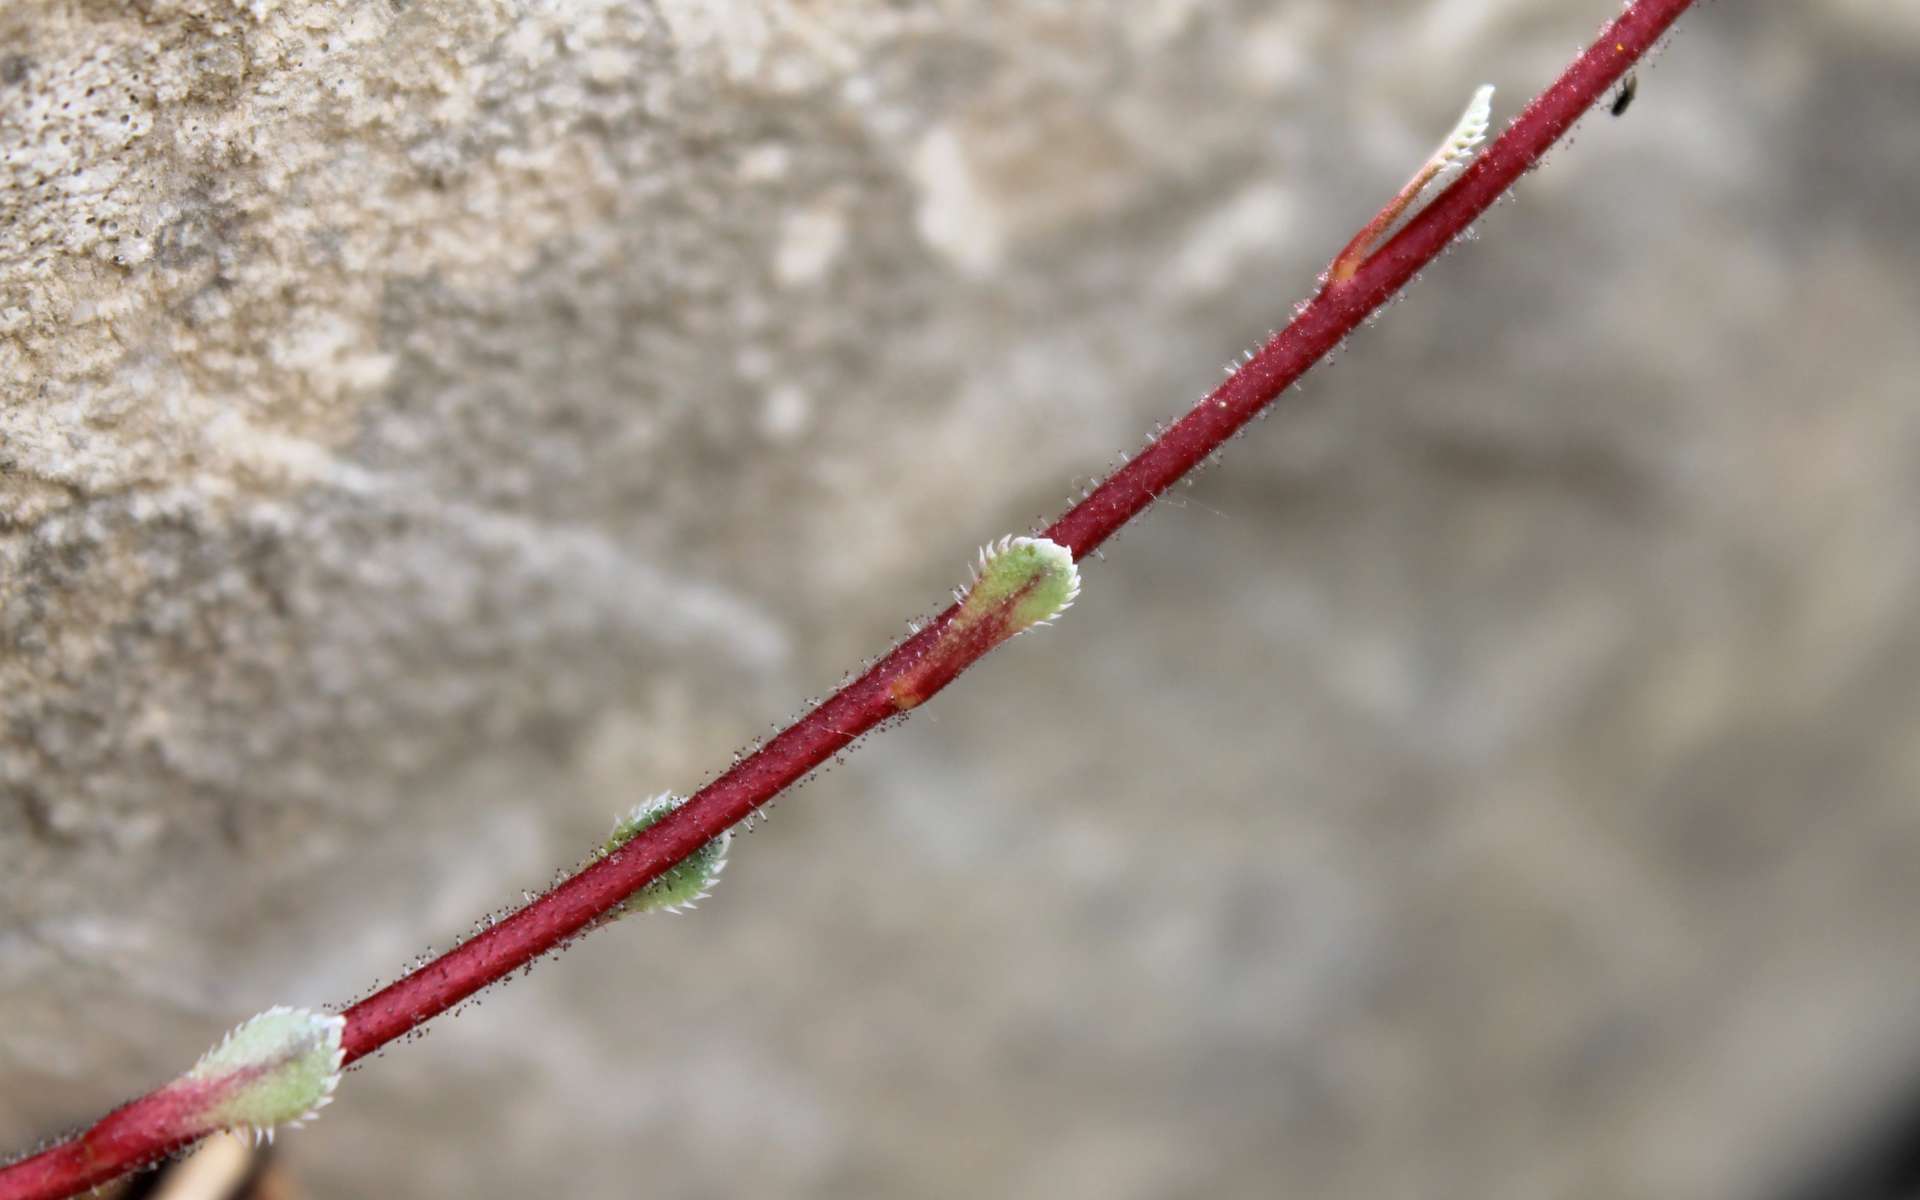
(929, 660)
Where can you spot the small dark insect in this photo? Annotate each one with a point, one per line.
(1628, 87)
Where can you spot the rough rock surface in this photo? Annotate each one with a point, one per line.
(427, 426)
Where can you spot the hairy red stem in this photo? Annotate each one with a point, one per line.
(925, 662)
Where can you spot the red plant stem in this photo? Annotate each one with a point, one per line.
(925, 662)
(130, 1136)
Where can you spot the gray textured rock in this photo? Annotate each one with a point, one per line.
(427, 427)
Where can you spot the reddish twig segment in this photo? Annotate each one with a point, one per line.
(933, 657)
(280, 1067)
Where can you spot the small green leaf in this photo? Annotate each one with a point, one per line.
(682, 885)
(1037, 575)
(1019, 582)
(278, 1067)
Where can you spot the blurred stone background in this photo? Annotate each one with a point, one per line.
(428, 426)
